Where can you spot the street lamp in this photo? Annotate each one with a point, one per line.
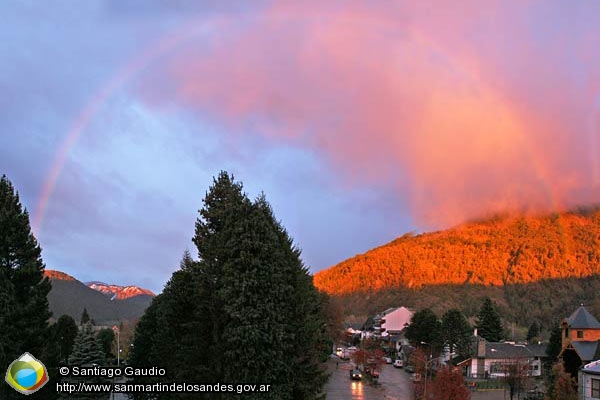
(427, 362)
(117, 331)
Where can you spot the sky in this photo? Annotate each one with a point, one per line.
(360, 121)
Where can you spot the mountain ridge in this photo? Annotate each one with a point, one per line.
(111, 290)
(70, 296)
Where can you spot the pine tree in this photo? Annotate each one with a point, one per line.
(425, 328)
(87, 350)
(85, 317)
(24, 311)
(106, 337)
(534, 332)
(554, 344)
(489, 325)
(246, 311)
(456, 332)
(305, 307)
(66, 332)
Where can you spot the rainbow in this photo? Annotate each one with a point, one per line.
(135, 66)
(172, 40)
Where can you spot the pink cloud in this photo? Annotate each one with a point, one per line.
(486, 107)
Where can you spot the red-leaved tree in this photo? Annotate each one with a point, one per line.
(448, 384)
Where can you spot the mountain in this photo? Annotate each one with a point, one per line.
(492, 252)
(535, 267)
(70, 296)
(121, 292)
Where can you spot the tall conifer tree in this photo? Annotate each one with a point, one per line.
(246, 311)
(489, 325)
(24, 311)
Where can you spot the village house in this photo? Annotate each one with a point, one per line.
(589, 381)
(494, 359)
(580, 339)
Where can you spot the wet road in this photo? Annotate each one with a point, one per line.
(394, 384)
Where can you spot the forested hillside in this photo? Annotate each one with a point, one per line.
(536, 268)
(494, 252)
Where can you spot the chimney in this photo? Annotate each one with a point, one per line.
(481, 348)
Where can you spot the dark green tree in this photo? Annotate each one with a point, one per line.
(60, 341)
(24, 311)
(66, 332)
(489, 325)
(425, 329)
(306, 330)
(87, 349)
(85, 317)
(146, 343)
(533, 333)
(246, 311)
(554, 344)
(106, 337)
(456, 332)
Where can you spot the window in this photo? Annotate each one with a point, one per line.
(595, 388)
(579, 334)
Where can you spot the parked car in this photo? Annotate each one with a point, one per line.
(534, 394)
(409, 368)
(398, 363)
(388, 360)
(416, 377)
(355, 375)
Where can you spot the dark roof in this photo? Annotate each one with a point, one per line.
(458, 360)
(587, 350)
(506, 350)
(510, 350)
(582, 319)
(538, 350)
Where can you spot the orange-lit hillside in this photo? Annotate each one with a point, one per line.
(493, 252)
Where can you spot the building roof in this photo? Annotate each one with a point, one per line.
(582, 319)
(506, 350)
(587, 350)
(538, 350)
(592, 368)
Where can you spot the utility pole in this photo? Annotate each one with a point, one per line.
(117, 332)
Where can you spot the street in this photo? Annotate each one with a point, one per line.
(394, 384)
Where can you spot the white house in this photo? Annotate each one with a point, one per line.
(589, 381)
(493, 359)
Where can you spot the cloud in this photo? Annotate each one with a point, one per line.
(464, 109)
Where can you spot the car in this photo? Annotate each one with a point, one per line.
(416, 377)
(355, 375)
(388, 360)
(409, 368)
(398, 363)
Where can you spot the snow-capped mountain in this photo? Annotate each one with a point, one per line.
(119, 292)
(70, 296)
